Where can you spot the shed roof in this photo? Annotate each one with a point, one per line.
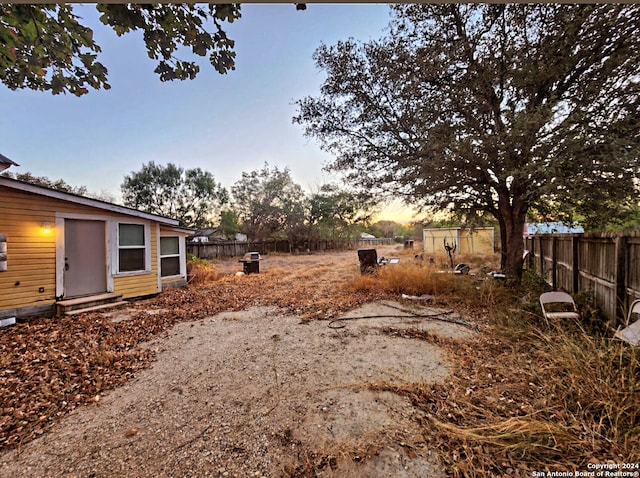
(553, 228)
(85, 201)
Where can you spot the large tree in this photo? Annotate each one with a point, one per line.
(337, 213)
(497, 109)
(46, 47)
(268, 203)
(191, 196)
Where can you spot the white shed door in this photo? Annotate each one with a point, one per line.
(85, 267)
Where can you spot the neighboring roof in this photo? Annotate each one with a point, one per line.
(207, 231)
(553, 228)
(85, 201)
(6, 162)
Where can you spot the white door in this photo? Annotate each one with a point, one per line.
(85, 267)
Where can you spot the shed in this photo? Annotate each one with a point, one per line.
(56, 246)
(477, 240)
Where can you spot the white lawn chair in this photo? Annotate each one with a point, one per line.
(631, 333)
(558, 305)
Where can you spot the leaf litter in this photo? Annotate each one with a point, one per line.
(484, 418)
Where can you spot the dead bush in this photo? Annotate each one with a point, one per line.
(201, 272)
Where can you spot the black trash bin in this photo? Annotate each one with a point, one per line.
(250, 267)
(368, 260)
(251, 263)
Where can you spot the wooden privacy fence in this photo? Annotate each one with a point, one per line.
(214, 250)
(607, 264)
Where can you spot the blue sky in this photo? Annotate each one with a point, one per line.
(225, 124)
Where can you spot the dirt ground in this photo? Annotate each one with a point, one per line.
(257, 392)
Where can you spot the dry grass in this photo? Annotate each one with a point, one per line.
(521, 399)
(473, 292)
(412, 278)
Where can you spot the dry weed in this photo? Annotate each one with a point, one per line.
(520, 400)
(414, 278)
(201, 273)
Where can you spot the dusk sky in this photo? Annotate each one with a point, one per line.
(225, 124)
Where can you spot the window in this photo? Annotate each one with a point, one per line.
(169, 256)
(132, 250)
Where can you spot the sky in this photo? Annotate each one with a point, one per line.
(225, 124)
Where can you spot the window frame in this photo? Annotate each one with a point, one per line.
(146, 248)
(179, 255)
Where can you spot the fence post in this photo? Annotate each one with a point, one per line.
(541, 261)
(554, 262)
(531, 246)
(575, 264)
(621, 259)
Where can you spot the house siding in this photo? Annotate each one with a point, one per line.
(31, 253)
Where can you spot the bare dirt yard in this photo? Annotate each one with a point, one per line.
(246, 376)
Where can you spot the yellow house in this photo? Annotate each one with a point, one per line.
(479, 240)
(58, 248)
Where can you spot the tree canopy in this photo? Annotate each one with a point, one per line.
(496, 109)
(268, 203)
(337, 213)
(191, 196)
(57, 184)
(46, 47)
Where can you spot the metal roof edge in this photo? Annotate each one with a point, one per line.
(85, 201)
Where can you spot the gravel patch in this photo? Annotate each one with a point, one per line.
(254, 393)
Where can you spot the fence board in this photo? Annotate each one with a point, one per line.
(564, 263)
(215, 250)
(632, 281)
(606, 264)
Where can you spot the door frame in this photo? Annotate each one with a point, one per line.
(60, 248)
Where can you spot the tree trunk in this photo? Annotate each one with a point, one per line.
(503, 242)
(514, 255)
(512, 221)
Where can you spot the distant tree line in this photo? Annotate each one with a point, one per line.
(263, 204)
(267, 204)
